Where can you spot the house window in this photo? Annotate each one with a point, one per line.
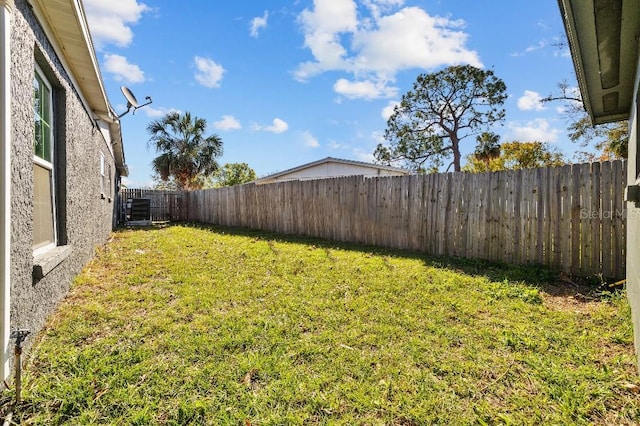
(44, 214)
(103, 183)
(637, 141)
(110, 183)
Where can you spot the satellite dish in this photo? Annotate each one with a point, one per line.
(131, 99)
(132, 102)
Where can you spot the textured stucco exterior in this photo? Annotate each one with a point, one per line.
(84, 216)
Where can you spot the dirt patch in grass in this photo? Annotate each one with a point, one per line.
(579, 298)
(580, 295)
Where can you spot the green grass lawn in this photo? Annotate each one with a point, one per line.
(197, 325)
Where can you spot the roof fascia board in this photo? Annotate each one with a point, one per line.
(576, 53)
(91, 52)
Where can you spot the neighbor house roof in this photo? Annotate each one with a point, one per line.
(323, 169)
(603, 38)
(66, 22)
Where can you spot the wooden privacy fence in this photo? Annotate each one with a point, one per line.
(569, 218)
(165, 205)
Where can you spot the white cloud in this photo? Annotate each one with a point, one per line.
(562, 53)
(379, 7)
(122, 70)
(152, 112)
(110, 20)
(364, 89)
(309, 140)
(541, 45)
(411, 38)
(537, 130)
(377, 137)
(530, 101)
(209, 73)
(375, 43)
(277, 126)
(333, 145)
(258, 23)
(128, 183)
(534, 47)
(387, 111)
(228, 122)
(322, 28)
(543, 25)
(362, 155)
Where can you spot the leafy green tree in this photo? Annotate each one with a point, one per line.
(617, 141)
(444, 107)
(517, 155)
(611, 140)
(163, 185)
(186, 154)
(233, 174)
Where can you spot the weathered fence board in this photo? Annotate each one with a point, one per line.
(570, 218)
(620, 231)
(595, 225)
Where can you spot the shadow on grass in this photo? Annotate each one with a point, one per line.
(541, 277)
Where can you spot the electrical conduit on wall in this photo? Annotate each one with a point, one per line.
(6, 9)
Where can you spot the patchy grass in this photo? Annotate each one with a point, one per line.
(196, 325)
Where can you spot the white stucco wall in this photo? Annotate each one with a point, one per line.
(332, 169)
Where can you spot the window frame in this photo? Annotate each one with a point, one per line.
(636, 119)
(103, 184)
(109, 182)
(49, 165)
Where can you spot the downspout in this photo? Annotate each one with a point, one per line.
(115, 134)
(6, 9)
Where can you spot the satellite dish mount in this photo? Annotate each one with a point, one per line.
(132, 102)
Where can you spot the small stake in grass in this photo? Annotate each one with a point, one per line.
(19, 335)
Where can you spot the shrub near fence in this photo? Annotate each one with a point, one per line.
(569, 218)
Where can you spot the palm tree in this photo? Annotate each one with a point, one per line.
(488, 147)
(185, 153)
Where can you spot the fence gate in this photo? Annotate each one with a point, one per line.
(165, 205)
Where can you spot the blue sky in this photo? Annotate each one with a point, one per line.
(288, 82)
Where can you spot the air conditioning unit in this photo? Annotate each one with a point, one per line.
(138, 211)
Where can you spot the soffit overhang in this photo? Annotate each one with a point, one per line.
(66, 23)
(603, 39)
